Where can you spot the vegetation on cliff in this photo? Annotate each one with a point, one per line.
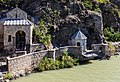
(61, 18)
(41, 34)
(111, 35)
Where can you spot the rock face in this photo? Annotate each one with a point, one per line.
(117, 2)
(64, 17)
(91, 25)
(73, 15)
(110, 15)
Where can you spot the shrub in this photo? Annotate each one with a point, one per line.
(111, 35)
(48, 64)
(41, 66)
(111, 49)
(76, 62)
(61, 65)
(68, 61)
(52, 66)
(8, 76)
(57, 63)
(64, 61)
(65, 53)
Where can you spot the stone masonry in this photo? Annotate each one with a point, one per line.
(18, 65)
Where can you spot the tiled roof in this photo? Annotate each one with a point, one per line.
(79, 35)
(16, 22)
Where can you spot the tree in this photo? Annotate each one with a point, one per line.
(41, 34)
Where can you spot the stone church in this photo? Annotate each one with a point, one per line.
(15, 31)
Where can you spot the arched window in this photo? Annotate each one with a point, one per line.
(78, 43)
(9, 38)
(15, 15)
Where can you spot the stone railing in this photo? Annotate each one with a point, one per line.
(30, 61)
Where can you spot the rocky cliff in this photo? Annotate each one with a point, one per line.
(64, 17)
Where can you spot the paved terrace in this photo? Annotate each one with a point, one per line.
(94, 71)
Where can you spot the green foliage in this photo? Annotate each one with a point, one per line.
(88, 4)
(8, 75)
(102, 1)
(111, 49)
(64, 61)
(9, 3)
(65, 53)
(41, 34)
(118, 11)
(111, 35)
(57, 63)
(76, 62)
(61, 65)
(48, 64)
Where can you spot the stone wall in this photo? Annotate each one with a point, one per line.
(36, 47)
(18, 65)
(37, 56)
(73, 51)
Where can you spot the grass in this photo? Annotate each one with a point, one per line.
(94, 71)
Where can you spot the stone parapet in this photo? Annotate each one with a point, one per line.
(19, 65)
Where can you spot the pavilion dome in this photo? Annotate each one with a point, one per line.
(79, 35)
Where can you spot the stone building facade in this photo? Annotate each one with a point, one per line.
(79, 39)
(15, 30)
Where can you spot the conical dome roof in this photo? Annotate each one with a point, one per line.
(79, 35)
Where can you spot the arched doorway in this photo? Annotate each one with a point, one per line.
(20, 40)
(78, 43)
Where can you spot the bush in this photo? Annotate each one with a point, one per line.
(61, 65)
(68, 61)
(64, 61)
(48, 64)
(76, 62)
(8, 76)
(41, 66)
(52, 66)
(111, 35)
(57, 63)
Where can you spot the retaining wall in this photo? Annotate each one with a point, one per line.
(20, 64)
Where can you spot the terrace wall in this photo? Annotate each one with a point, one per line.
(18, 65)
